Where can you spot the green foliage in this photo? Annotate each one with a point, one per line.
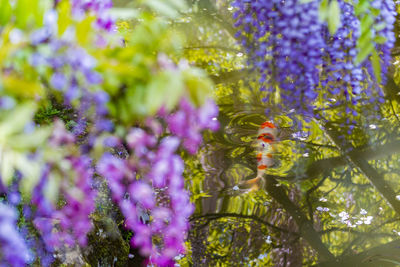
(49, 113)
(367, 40)
(329, 11)
(15, 142)
(25, 13)
(136, 80)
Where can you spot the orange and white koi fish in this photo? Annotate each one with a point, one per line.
(266, 140)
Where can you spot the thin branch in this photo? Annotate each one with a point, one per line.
(317, 145)
(325, 165)
(216, 216)
(231, 76)
(308, 193)
(230, 49)
(353, 231)
(349, 182)
(394, 112)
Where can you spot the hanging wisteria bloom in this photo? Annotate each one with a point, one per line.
(13, 250)
(72, 68)
(149, 185)
(293, 50)
(99, 8)
(69, 224)
(284, 42)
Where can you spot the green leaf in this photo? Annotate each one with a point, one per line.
(52, 186)
(5, 11)
(6, 166)
(134, 104)
(83, 30)
(64, 16)
(375, 12)
(16, 121)
(30, 171)
(323, 10)
(30, 141)
(333, 17)
(23, 12)
(380, 39)
(164, 89)
(178, 4)
(198, 85)
(365, 50)
(365, 43)
(361, 7)
(366, 24)
(380, 26)
(42, 7)
(376, 65)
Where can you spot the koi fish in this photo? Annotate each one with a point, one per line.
(266, 140)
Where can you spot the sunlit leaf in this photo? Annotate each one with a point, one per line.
(333, 16)
(376, 65)
(83, 30)
(64, 16)
(5, 11)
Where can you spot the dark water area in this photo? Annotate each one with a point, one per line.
(329, 197)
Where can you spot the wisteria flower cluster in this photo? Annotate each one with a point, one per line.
(150, 181)
(100, 9)
(291, 47)
(73, 218)
(58, 62)
(13, 251)
(69, 224)
(72, 70)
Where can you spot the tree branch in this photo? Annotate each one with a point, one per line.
(370, 173)
(217, 47)
(326, 165)
(215, 216)
(350, 230)
(230, 76)
(306, 229)
(369, 258)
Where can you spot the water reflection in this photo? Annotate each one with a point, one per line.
(316, 202)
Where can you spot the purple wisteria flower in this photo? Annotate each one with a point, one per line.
(292, 48)
(150, 181)
(60, 135)
(70, 224)
(187, 122)
(73, 69)
(13, 250)
(99, 7)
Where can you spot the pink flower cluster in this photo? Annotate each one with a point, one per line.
(149, 187)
